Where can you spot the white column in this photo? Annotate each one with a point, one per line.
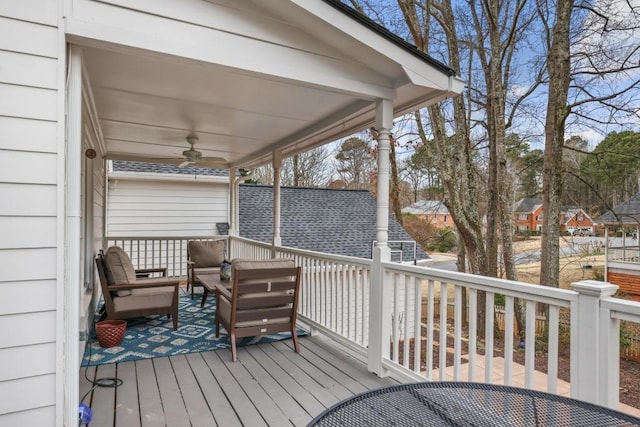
(606, 252)
(233, 203)
(379, 298)
(598, 346)
(277, 165)
(69, 324)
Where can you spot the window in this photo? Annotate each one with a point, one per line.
(523, 216)
(580, 217)
(539, 217)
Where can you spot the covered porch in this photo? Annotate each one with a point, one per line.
(256, 82)
(576, 353)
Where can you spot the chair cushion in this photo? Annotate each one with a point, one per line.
(225, 315)
(144, 299)
(206, 254)
(244, 264)
(120, 271)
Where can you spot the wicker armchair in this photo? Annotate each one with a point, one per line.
(126, 294)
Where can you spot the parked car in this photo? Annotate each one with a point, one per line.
(584, 231)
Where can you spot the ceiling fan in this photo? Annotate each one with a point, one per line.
(193, 157)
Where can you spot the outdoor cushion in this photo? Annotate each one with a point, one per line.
(244, 264)
(145, 299)
(206, 254)
(120, 271)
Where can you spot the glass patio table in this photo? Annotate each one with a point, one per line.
(467, 404)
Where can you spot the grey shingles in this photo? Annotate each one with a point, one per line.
(526, 205)
(625, 213)
(341, 222)
(122, 166)
(427, 207)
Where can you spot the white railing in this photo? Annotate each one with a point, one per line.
(624, 254)
(150, 252)
(334, 295)
(335, 300)
(410, 325)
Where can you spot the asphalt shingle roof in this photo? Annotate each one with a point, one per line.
(427, 207)
(526, 205)
(122, 166)
(341, 222)
(625, 213)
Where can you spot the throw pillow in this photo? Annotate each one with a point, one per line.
(206, 254)
(119, 265)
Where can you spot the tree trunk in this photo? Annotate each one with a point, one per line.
(394, 195)
(557, 111)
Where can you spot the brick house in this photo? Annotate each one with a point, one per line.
(433, 211)
(577, 222)
(527, 214)
(622, 260)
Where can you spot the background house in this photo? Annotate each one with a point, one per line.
(577, 222)
(622, 259)
(433, 211)
(527, 214)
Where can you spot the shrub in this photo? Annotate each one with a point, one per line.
(445, 240)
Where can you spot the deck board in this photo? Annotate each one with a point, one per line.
(103, 399)
(270, 385)
(238, 399)
(127, 407)
(220, 407)
(175, 411)
(151, 412)
(195, 403)
(286, 381)
(306, 382)
(266, 405)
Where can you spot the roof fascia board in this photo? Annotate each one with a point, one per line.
(434, 72)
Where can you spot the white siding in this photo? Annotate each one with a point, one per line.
(165, 208)
(28, 224)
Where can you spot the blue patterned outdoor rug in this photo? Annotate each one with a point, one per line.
(155, 337)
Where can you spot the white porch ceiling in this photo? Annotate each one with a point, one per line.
(308, 93)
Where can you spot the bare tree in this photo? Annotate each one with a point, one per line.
(355, 163)
(308, 169)
(578, 62)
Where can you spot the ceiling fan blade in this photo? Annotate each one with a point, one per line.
(165, 160)
(213, 162)
(185, 163)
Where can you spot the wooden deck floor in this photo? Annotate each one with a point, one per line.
(270, 385)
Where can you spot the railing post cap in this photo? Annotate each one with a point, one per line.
(594, 288)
